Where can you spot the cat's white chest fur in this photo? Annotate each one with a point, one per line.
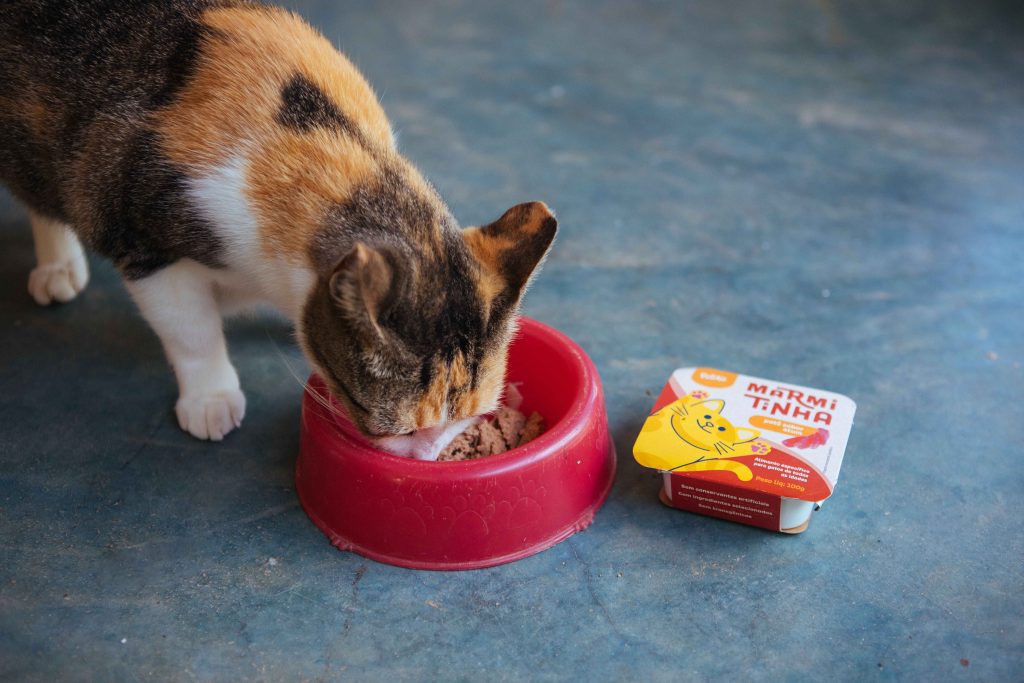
(251, 277)
(184, 301)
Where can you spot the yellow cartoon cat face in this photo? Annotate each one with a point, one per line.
(702, 425)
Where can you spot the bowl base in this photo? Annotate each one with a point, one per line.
(586, 518)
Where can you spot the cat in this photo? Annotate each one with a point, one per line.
(223, 154)
(691, 434)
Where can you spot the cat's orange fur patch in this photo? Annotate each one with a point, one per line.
(230, 105)
(293, 179)
(489, 284)
(452, 382)
(458, 373)
(38, 115)
(490, 378)
(533, 216)
(32, 110)
(488, 250)
(235, 92)
(432, 404)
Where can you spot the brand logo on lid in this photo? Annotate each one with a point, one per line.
(710, 377)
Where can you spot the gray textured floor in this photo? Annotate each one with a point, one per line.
(830, 195)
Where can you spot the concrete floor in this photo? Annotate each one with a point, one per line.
(829, 195)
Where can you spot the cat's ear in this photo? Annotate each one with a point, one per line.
(715, 405)
(360, 282)
(514, 245)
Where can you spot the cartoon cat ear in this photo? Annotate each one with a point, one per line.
(360, 282)
(514, 245)
(750, 435)
(715, 405)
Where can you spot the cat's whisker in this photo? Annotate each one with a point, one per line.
(326, 404)
(322, 400)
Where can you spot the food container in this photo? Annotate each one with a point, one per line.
(475, 513)
(746, 449)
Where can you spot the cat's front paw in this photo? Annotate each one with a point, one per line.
(60, 281)
(211, 416)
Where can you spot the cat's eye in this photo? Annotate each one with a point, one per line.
(721, 429)
(707, 417)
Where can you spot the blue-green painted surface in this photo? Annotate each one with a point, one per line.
(829, 194)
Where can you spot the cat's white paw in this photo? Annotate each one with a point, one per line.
(60, 281)
(211, 416)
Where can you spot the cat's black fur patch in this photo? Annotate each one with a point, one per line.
(518, 264)
(148, 220)
(27, 169)
(304, 106)
(86, 156)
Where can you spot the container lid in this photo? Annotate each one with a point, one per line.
(755, 434)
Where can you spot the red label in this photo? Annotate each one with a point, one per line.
(666, 397)
(725, 502)
(776, 472)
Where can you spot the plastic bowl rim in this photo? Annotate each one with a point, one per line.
(551, 441)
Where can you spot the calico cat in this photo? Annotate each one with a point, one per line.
(222, 153)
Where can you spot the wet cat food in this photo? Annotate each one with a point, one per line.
(746, 449)
(507, 429)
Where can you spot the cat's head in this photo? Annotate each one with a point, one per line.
(702, 424)
(413, 333)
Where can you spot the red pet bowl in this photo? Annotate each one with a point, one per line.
(475, 513)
